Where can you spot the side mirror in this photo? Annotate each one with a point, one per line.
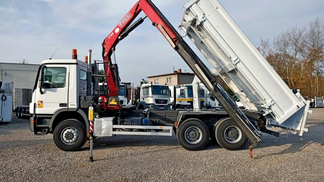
(41, 80)
(41, 89)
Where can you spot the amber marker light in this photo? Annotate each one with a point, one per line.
(74, 54)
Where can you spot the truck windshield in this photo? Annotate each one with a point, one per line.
(122, 90)
(160, 90)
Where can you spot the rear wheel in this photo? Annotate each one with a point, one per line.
(69, 135)
(193, 134)
(229, 135)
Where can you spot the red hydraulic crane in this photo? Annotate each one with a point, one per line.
(118, 33)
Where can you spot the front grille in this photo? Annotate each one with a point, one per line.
(161, 101)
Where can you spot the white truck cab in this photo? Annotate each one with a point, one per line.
(60, 93)
(60, 85)
(154, 96)
(179, 95)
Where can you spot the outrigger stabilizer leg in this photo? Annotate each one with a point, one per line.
(90, 117)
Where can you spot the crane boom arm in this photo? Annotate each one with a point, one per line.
(109, 43)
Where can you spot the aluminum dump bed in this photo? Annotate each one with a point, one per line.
(242, 67)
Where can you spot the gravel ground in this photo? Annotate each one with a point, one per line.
(28, 157)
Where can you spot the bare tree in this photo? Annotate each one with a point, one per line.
(297, 56)
(315, 56)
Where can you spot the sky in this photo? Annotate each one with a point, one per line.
(35, 30)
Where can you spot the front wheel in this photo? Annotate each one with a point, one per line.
(69, 135)
(19, 112)
(193, 134)
(229, 135)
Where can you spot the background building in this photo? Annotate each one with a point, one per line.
(175, 78)
(22, 77)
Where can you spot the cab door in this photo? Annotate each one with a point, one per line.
(52, 89)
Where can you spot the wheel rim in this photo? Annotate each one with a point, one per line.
(193, 135)
(232, 134)
(69, 135)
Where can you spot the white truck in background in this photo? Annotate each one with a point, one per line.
(180, 96)
(62, 109)
(125, 93)
(154, 96)
(185, 96)
(202, 98)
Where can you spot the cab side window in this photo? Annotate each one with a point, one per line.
(54, 77)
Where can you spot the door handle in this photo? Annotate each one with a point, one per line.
(63, 104)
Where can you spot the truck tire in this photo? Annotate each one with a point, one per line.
(193, 134)
(22, 111)
(17, 112)
(229, 135)
(69, 135)
(140, 107)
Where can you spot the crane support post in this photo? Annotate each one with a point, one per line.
(90, 117)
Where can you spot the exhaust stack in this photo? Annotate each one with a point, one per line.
(89, 56)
